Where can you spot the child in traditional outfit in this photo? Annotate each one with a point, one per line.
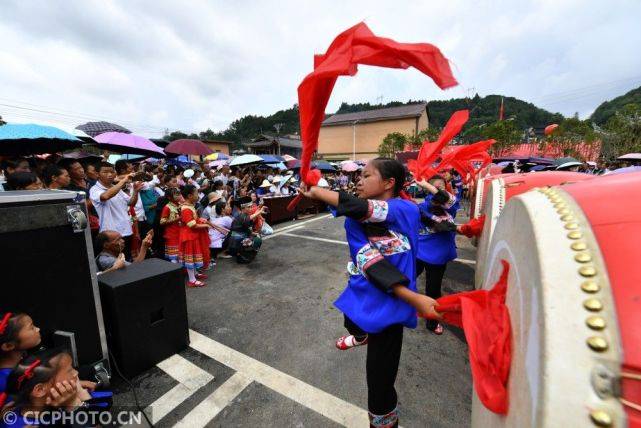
(381, 297)
(41, 382)
(18, 334)
(194, 238)
(436, 238)
(170, 222)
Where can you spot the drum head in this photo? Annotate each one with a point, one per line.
(501, 190)
(553, 366)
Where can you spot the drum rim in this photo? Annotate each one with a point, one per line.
(571, 218)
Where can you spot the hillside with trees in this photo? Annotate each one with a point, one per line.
(607, 109)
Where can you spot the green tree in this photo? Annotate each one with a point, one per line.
(622, 132)
(505, 132)
(392, 143)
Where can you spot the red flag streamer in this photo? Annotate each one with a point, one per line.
(485, 319)
(463, 157)
(474, 227)
(358, 45)
(422, 166)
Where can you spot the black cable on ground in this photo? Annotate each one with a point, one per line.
(132, 388)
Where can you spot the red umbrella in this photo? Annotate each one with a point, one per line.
(188, 147)
(550, 129)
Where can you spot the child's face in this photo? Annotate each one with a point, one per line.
(371, 183)
(193, 196)
(439, 184)
(29, 334)
(65, 370)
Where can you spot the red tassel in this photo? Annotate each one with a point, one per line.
(485, 319)
(3, 399)
(28, 373)
(473, 227)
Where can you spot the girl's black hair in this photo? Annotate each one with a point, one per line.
(172, 193)
(10, 332)
(187, 190)
(219, 207)
(20, 180)
(391, 168)
(22, 379)
(52, 171)
(437, 177)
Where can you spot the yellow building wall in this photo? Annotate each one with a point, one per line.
(335, 142)
(218, 147)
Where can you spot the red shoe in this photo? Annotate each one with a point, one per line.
(348, 342)
(201, 276)
(195, 284)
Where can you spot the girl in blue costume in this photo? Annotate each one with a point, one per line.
(18, 334)
(381, 297)
(436, 238)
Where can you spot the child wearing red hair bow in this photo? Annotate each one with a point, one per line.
(18, 334)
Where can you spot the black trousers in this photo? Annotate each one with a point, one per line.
(383, 356)
(127, 249)
(433, 281)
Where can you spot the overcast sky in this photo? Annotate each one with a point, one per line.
(193, 65)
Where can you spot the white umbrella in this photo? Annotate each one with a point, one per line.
(630, 156)
(245, 160)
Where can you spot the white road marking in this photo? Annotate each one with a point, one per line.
(185, 372)
(283, 232)
(300, 223)
(190, 378)
(314, 238)
(207, 409)
(334, 241)
(331, 407)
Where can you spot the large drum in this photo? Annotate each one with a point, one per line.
(574, 296)
(505, 186)
(480, 193)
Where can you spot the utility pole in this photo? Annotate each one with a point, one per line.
(277, 126)
(354, 140)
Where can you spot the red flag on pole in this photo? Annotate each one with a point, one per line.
(501, 110)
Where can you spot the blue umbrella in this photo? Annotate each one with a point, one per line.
(323, 165)
(272, 158)
(626, 169)
(29, 139)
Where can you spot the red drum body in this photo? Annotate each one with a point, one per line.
(574, 296)
(500, 190)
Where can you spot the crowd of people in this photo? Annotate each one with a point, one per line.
(190, 214)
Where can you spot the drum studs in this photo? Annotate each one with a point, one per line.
(567, 217)
(575, 234)
(597, 343)
(587, 271)
(571, 226)
(560, 205)
(593, 305)
(582, 257)
(595, 322)
(601, 418)
(590, 287)
(579, 246)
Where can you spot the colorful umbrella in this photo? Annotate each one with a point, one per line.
(217, 163)
(29, 139)
(288, 158)
(293, 164)
(626, 169)
(216, 156)
(322, 165)
(350, 166)
(128, 143)
(245, 160)
(97, 128)
(188, 147)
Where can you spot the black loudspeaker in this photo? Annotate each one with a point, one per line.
(145, 310)
(48, 270)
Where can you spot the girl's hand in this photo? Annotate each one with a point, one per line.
(62, 394)
(88, 385)
(306, 191)
(425, 307)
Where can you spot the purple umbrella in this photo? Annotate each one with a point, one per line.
(80, 154)
(188, 147)
(128, 143)
(630, 156)
(96, 128)
(626, 169)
